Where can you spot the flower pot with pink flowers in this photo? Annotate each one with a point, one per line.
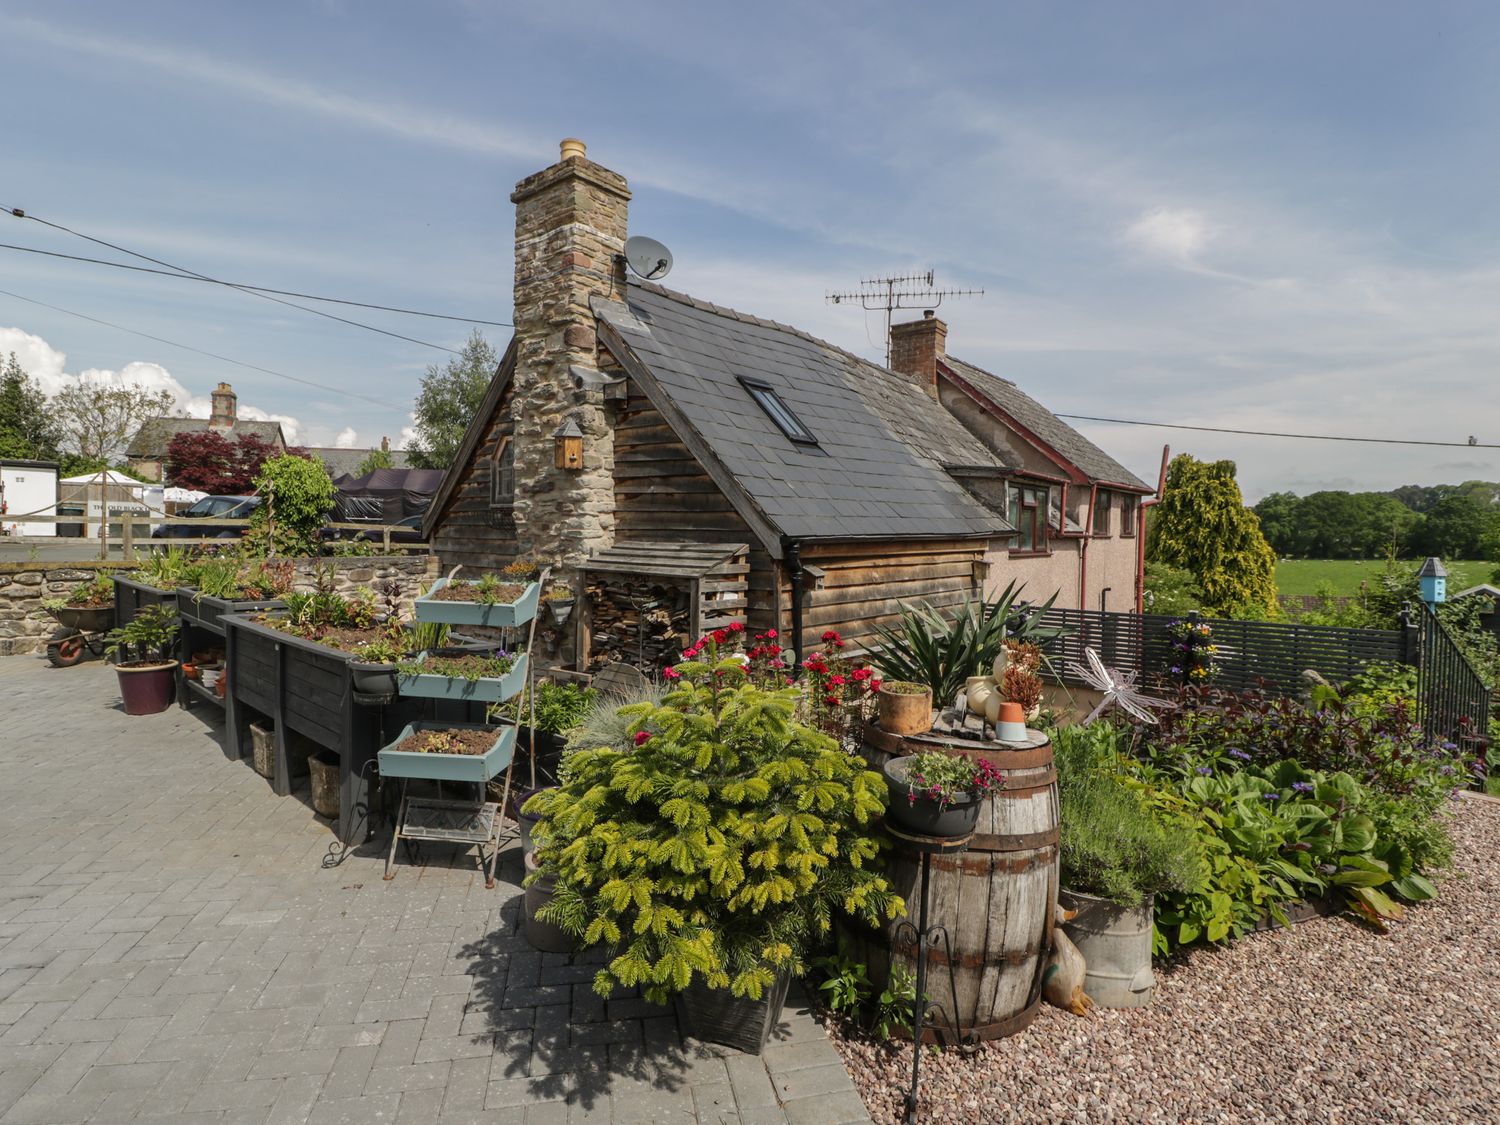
(937, 794)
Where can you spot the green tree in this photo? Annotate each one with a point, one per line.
(375, 459)
(98, 420)
(1203, 526)
(28, 426)
(449, 399)
(1452, 528)
(1280, 521)
(298, 495)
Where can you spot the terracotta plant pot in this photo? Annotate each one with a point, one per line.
(905, 713)
(147, 688)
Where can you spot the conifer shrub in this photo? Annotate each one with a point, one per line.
(720, 844)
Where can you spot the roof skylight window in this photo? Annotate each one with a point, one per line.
(778, 411)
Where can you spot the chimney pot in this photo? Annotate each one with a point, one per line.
(571, 147)
(927, 314)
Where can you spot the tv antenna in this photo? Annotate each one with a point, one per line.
(887, 294)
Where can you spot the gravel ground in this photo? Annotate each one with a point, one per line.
(1329, 1022)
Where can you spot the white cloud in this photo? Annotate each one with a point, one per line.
(1178, 234)
(348, 438)
(47, 366)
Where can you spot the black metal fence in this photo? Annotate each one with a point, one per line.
(1452, 700)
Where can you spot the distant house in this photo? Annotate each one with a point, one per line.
(147, 452)
(1075, 508)
(689, 465)
(345, 462)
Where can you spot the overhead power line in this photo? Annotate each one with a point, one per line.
(184, 272)
(211, 355)
(1275, 433)
(256, 288)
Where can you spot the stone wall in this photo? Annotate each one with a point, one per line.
(25, 626)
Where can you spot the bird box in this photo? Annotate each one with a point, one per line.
(1433, 579)
(568, 446)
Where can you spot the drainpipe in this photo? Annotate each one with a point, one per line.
(1083, 550)
(791, 555)
(1140, 531)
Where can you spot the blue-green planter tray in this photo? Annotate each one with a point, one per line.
(506, 614)
(449, 767)
(487, 690)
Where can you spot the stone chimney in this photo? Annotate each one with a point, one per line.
(222, 414)
(570, 236)
(916, 347)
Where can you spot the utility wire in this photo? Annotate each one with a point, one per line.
(1274, 433)
(184, 272)
(256, 288)
(200, 351)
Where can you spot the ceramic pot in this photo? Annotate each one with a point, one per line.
(147, 689)
(923, 817)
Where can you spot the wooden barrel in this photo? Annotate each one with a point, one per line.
(996, 900)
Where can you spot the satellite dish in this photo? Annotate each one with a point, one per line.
(648, 257)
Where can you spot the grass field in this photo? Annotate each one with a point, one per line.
(1303, 576)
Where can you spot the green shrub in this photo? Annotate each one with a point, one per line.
(298, 495)
(721, 846)
(1115, 844)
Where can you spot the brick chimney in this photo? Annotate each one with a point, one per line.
(916, 347)
(570, 231)
(221, 416)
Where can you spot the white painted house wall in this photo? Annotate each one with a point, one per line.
(25, 488)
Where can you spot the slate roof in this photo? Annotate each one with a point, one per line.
(346, 461)
(151, 440)
(1092, 461)
(878, 468)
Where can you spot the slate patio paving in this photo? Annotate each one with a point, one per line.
(173, 950)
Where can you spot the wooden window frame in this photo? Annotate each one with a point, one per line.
(1032, 504)
(1129, 512)
(1103, 502)
(504, 448)
(782, 416)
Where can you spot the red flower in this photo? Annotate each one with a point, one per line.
(642, 737)
(690, 654)
(830, 637)
(720, 636)
(861, 674)
(837, 681)
(671, 673)
(736, 626)
(774, 650)
(831, 700)
(771, 634)
(874, 685)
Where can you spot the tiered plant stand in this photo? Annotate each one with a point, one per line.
(475, 821)
(306, 688)
(201, 617)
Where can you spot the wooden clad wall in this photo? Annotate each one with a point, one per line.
(864, 584)
(663, 493)
(467, 533)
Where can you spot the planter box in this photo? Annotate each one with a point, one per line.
(203, 612)
(718, 1016)
(132, 596)
(449, 767)
(518, 612)
(304, 688)
(428, 686)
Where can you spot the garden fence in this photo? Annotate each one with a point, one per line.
(1453, 701)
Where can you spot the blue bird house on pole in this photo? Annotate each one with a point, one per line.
(1433, 579)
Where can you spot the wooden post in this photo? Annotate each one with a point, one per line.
(385, 533)
(127, 537)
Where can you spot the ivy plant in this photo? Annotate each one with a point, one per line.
(719, 846)
(299, 495)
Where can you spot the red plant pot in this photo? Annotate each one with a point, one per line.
(147, 688)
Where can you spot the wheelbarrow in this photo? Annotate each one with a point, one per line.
(80, 635)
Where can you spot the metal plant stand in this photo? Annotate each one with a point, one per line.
(925, 935)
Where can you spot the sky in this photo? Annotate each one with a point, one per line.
(1278, 216)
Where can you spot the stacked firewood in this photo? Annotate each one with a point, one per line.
(637, 621)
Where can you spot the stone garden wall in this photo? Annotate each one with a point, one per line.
(25, 626)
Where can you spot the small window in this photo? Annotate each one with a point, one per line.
(1102, 504)
(1127, 514)
(779, 412)
(1026, 511)
(503, 475)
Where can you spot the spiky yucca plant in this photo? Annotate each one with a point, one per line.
(722, 844)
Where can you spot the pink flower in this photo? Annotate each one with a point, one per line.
(671, 673)
(736, 626)
(642, 737)
(837, 681)
(771, 634)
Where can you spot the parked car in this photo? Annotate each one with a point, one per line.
(210, 507)
(408, 530)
